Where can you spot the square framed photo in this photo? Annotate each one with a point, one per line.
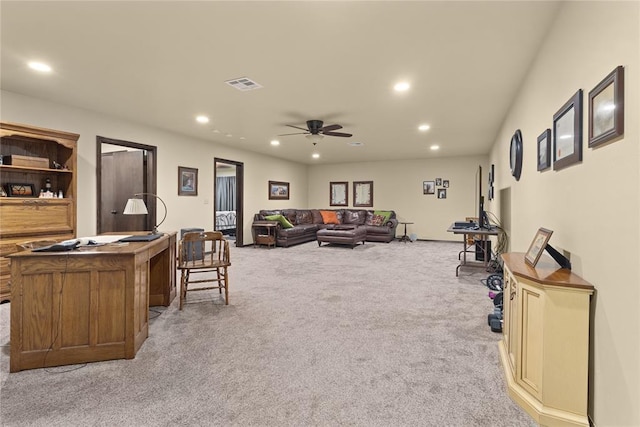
(544, 150)
(537, 246)
(278, 190)
(339, 193)
(442, 193)
(445, 183)
(187, 181)
(362, 193)
(567, 133)
(428, 187)
(606, 109)
(21, 190)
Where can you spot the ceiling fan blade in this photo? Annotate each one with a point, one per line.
(337, 134)
(297, 133)
(330, 128)
(296, 127)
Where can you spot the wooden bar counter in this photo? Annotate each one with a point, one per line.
(89, 304)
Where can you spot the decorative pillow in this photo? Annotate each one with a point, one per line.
(353, 217)
(282, 220)
(304, 217)
(329, 217)
(385, 214)
(378, 220)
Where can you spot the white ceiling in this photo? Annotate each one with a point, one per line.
(162, 63)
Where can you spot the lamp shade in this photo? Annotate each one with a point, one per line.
(135, 207)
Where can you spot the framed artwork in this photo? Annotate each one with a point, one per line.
(537, 246)
(544, 150)
(490, 192)
(362, 193)
(278, 190)
(2, 192)
(21, 190)
(438, 182)
(442, 193)
(428, 187)
(338, 193)
(445, 183)
(567, 133)
(492, 176)
(606, 109)
(187, 181)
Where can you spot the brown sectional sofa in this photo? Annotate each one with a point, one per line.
(306, 222)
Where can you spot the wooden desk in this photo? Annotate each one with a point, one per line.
(466, 232)
(87, 305)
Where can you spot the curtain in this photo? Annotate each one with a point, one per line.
(226, 193)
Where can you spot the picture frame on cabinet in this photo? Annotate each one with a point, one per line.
(567, 133)
(606, 109)
(278, 190)
(544, 150)
(21, 190)
(537, 246)
(339, 193)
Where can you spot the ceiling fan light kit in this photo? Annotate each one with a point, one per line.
(316, 130)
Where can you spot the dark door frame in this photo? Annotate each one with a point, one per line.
(239, 195)
(150, 176)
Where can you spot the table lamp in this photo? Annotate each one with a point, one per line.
(137, 206)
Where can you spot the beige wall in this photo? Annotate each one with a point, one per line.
(593, 207)
(173, 150)
(397, 185)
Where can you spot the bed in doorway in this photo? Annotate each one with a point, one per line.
(226, 222)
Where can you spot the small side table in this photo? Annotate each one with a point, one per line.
(404, 237)
(259, 238)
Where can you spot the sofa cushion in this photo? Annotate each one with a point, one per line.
(304, 217)
(317, 218)
(329, 217)
(290, 214)
(263, 213)
(357, 217)
(281, 219)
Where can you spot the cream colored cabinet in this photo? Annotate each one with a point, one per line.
(32, 158)
(545, 345)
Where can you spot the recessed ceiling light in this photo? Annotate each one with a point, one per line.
(315, 155)
(215, 131)
(401, 86)
(228, 135)
(424, 127)
(434, 147)
(40, 66)
(242, 137)
(202, 119)
(355, 143)
(275, 142)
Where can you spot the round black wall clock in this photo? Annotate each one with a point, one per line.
(516, 155)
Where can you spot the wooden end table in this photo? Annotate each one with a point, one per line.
(259, 238)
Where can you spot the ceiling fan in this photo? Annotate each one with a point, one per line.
(316, 130)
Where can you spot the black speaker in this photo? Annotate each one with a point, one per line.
(482, 247)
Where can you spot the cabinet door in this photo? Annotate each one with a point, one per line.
(23, 217)
(510, 319)
(530, 324)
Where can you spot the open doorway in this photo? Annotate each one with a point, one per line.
(228, 185)
(123, 169)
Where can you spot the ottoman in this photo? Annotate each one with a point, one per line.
(343, 235)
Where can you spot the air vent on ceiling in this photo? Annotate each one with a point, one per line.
(243, 84)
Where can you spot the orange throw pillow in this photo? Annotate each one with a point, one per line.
(329, 217)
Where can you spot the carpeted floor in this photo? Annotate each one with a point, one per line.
(379, 335)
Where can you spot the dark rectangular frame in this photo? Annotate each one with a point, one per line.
(337, 184)
(278, 186)
(615, 78)
(362, 203)
(575, 103)
(12, 190)
(425, 190)
(544, 137)
(182, 173)
(537, 246)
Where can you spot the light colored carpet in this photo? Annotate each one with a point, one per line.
(380, 335)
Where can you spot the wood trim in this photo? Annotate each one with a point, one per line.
(546, 272)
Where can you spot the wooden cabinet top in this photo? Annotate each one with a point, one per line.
(546, 272)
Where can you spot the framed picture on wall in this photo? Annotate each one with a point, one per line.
(567, 133)
(544, 150)
(606, 109)
(363, 193)
(338, 193)
(428, 187)
(187, 181)
(278, 190)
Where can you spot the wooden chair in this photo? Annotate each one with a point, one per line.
(203, 252)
